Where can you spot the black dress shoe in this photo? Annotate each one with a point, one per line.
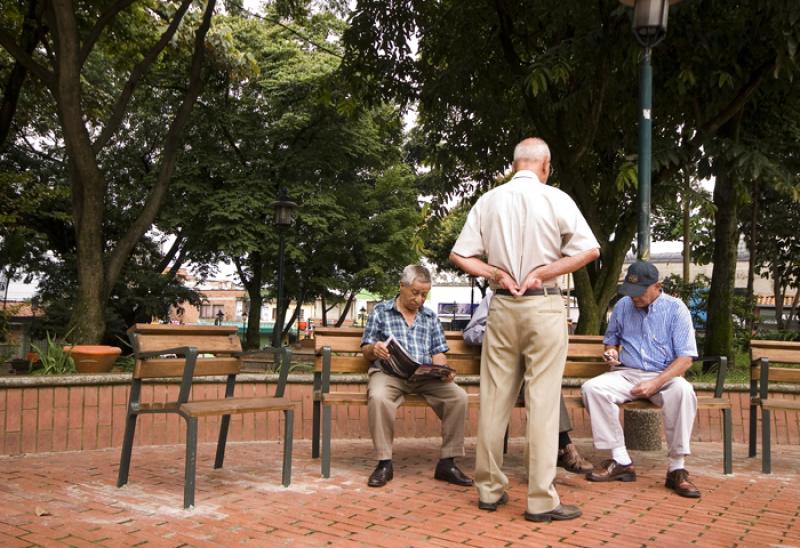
(559, 513)
(449, 472)
(381, 475)
(492, 506)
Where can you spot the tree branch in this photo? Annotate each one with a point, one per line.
(173, 250)
(168, 159)
(32, 33)
(121, 106)
(105, 18)
(26, 60)
(710, 127)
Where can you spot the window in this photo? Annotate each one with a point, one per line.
(210, 311)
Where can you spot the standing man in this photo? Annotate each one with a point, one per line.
(418, 330)
(657, 343)
(529, 234)
(568, 456)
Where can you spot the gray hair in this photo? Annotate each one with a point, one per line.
(413, 273)
(532, 149)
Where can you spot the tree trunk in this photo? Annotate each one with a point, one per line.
(347, 306)
(687, 233)
(88, 184)
(752, 247)
(590, 318)
(253, 286)
(719, 328)
(777, 291)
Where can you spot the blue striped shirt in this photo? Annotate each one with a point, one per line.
(422, 340)
(653, 337)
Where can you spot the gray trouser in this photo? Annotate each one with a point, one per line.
(603, 394)
(386, 393)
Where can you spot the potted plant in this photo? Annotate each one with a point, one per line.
(53, 360)
(93, 358)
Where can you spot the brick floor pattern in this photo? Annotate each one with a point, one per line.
(70, 499)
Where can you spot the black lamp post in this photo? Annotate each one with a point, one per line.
(362, 316)
(650, 28)
(284, 215)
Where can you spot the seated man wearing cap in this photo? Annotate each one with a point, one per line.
(649, 345)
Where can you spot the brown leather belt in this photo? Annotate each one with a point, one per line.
(546, 291)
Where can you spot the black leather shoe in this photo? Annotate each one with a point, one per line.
(449, 472)
(382, 474)
(559, 513)
(492, 506)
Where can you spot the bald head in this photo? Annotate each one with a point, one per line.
(533, 154)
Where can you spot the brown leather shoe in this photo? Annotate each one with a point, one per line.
(570, 460)
(678, 481)
(559, 513)
(611, 470)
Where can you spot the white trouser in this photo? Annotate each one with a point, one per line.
(603, 394)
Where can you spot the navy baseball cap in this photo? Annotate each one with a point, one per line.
(640, 276)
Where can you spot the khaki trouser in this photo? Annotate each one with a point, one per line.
(386, 393)
(603, 394)
(534, 328)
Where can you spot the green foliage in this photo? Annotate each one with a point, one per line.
(54, 359)
(789, 336)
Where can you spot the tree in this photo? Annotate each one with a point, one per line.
(487, 74)
(92, 66)
(274, 115)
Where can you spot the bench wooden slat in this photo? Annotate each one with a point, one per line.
(775, 351)
(205, 343)
(775, 403)
(583, 370)
(777, 374)
(333, 398)
(235, 406)
(173, 367)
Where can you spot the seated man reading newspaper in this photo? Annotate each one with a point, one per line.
(417, 330)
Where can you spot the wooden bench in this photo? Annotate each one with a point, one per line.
(189, 351)
(763, 356)
(338, 352)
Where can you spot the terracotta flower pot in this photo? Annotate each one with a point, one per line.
(93, 358)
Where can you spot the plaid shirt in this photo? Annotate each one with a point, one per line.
(422, 340)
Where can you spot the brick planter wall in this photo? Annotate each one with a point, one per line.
(84, 412)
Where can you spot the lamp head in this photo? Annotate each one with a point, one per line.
(284, 208)
(649, 20)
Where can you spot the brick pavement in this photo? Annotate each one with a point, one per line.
(69, 499)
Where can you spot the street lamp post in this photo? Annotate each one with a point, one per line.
(650, 28)
(284, 210)
(362, 316)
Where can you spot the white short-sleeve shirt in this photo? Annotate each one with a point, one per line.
(524, 224)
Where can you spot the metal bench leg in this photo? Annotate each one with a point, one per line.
(326, 441)
(191, 462)
(505, 442)
(727, 440)
(766, 450)
(223, 438)
(315, 430)
(127, 449)
(287, 447)
(751, 450)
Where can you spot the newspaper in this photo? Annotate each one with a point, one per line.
(401, 364)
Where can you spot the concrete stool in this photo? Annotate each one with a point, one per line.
(642, 429)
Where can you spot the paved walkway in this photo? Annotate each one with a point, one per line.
(62, 499)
